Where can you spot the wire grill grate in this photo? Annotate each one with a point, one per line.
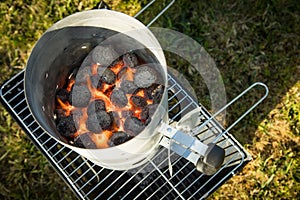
(151, 181)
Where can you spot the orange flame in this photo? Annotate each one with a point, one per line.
(117, 67)
(67, 107)
(70, 85)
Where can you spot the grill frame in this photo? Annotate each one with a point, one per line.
(185, 183)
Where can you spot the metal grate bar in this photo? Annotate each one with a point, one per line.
(70, 163)
(19, 104)
(11, 88)
(162, 174)
(82, 175)
(174, 175)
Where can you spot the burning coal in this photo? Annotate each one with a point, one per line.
(108, 100)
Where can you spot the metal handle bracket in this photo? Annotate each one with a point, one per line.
(207, 158)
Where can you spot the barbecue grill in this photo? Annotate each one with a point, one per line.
(152, 180)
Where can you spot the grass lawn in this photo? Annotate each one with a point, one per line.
(249, 40)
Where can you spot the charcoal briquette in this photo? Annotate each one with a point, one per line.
(118, 138)
(122, 72)
(145, 76)
(80, 96)
(138, 101)
(85, 141)
(62, 94)
(155, 92)
(130, 60)
(59, 113)
(96, 82)
(116, 118)
(119, 98)
(104, 55)
(152, 109)
(128, 86)
(126, 113)
(66, 126)
(96, 106)
(99, 121)
(144, 114)
(106, 75)
(83, 74)
(133, 126)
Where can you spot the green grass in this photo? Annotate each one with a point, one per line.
(249, 40)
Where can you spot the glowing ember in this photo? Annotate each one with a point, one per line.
(113, 109)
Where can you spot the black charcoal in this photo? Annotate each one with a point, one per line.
(62, 94)
(106, 75)
(96, 106)
(128, 86)
(119, 138)
(85, 141)
(144, 114)
(130, 60)
(155, 92)
(66, 126)
(104, 55)
(138, 101)
(133, 126)
(80, 96)
(119, 98)
(122, 72)
(99, 121)
(59, 113)
(145, 76)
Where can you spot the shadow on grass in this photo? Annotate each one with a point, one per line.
(250, 42)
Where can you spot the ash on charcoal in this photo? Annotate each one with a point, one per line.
(128, 86)
(152, 109)
(133, 126)
(130, 60)
(96, 82)
(83, 74)
(145, 76)
(116, 119)
(63, 94)
(80, 96)
(119, 98)
(138, 101)
(85, 141)
(119, 138)
(106, 75)
(66, 126)
(104, 55)
(99, 121)
(96, 106)
(127, 113)
(147, 113)
(122, 72)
